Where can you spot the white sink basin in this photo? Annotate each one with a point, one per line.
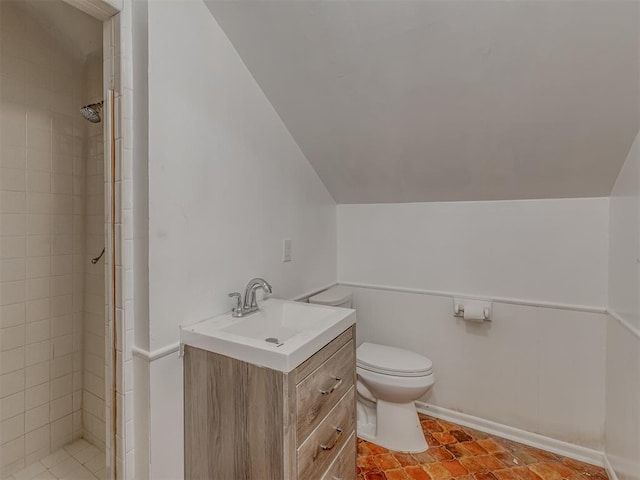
(281, 335)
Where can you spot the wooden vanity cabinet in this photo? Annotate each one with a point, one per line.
(243, 421)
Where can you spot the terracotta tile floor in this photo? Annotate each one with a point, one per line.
(466, 454)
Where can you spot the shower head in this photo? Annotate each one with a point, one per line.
(92, 112)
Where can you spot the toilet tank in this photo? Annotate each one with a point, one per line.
(334, 297)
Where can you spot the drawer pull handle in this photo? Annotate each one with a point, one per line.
(333, 388)
(335, 440)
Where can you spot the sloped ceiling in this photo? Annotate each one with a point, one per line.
(410, 101)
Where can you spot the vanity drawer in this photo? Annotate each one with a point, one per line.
(317, 394)
(344, 467)
(324, 444)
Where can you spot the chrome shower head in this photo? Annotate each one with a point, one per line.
(92, 112)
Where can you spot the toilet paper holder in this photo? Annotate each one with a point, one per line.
(475, 306)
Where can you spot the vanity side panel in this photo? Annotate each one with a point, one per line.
(241, 411)
(196, 413)
(262, 427)
(290, 428)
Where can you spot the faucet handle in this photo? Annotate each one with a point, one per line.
(237, 310)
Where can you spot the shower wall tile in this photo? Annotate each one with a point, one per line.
(12, 405)
(38, 310)
(42, 249)
(11, 315)
(11, 383)
(36, 396)
(36, 418)
(12, 337)
(38, 267)
(93, 398)
(12, 292)
(36, 353)
(12, 179)
(37, 375)
(11, 429)
(36, 443)
(12, 360)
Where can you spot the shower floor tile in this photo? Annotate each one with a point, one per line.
(461, 453)
(77, 461)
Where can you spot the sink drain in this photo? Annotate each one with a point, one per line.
(273, 340)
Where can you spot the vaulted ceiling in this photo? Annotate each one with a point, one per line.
(410, 101)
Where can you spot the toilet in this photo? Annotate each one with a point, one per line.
(389, 381)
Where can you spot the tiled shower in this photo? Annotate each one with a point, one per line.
(52, 302)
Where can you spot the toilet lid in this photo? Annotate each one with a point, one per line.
(392, 361)
(332, 296)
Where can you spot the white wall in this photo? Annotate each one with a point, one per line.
(622, 438)
(230, 183)
(538, 369)
(226, 184)
(139, 418)
(543, 250)
(624, 252)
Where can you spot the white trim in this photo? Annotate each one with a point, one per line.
(305, 296)
(634, 330)
(512, 301)
(560, 447)
(155, 354)
(101, 9)
(611, 473)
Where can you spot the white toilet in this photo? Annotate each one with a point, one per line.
(390, 380)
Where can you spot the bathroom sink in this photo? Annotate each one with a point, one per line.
(280, 335)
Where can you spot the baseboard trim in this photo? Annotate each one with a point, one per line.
(560, 447)
(611, 473)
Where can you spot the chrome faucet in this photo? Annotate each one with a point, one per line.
(250, 303)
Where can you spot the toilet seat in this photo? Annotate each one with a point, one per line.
(392, 361)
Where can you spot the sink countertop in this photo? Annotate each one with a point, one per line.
(295, 331)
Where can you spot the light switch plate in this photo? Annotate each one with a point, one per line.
(286, 250)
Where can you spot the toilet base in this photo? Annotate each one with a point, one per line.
(394, 426)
